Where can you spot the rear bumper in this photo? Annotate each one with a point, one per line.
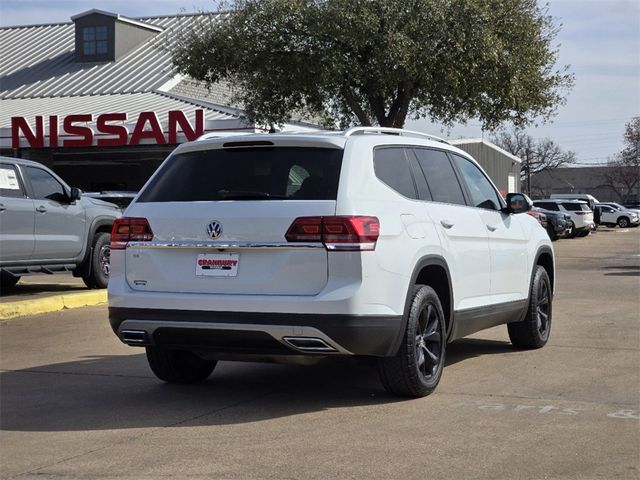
(258, 333)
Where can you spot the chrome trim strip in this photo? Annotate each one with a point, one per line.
(228, 245)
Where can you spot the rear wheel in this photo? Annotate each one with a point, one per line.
(416, 368)
(178, 366)
(623, 222)
(7, 280)
(534, 331)
(552, 233)
(100, 261)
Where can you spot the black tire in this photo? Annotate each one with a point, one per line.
(534, 331)
(553, 236)
(8, 281)
(99, 271)
(178, 366)
(623, 222)
(416, 368)
(572, 230)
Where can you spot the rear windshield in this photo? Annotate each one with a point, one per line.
(265, 173)
(576, 207)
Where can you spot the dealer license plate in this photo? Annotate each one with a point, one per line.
(217, 264)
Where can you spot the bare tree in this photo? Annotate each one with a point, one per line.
(536, 155)
(623, 170)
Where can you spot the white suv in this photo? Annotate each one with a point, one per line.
(292, 247)
(581, 215)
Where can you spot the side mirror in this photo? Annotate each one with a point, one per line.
(517, 203)
(75, 194)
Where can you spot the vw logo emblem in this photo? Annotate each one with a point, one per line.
(214, 230)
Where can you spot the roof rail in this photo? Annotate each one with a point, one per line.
(392, 131)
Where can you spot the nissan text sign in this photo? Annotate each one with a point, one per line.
(109, 130)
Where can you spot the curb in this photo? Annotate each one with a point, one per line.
(51, 304)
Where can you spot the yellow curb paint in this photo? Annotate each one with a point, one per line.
(51, 304)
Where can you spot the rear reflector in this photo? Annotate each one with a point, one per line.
(127, 230)
(351, 233)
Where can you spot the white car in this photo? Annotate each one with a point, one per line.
(580, 213)
(292, 247)
(612, 216)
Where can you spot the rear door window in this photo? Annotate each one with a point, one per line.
(391, 166)
(264, 173)
(9, 182)
(441, 178)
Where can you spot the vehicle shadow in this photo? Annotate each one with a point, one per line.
(119, 392)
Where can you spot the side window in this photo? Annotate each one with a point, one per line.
(548, 206)
(391, 166)
(44, 185)
(9, 183)
(483, 195)
(441, 178)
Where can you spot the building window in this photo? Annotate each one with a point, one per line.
(94, 40)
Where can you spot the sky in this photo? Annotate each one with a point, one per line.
(599, 39)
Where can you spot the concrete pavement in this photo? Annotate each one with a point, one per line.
(75, 403)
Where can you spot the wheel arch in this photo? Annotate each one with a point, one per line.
(433, 271)
(98, 225)
(544, 257)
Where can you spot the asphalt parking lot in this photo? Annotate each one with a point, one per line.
(75, 403)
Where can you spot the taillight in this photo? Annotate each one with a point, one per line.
(352, 233)
(580, 213)
(127, 230)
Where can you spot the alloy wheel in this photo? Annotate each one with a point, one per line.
(429, 340)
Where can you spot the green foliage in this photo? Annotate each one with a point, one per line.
(381, 61)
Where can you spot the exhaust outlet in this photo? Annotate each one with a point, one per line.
(134, 337)
(309, 344)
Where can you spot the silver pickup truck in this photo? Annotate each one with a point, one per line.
(48, 227)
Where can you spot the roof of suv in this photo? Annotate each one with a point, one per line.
(559, 200)
(322, 138)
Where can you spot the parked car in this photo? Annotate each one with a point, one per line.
(48, 227)
(582, 222)
(539, 215)
(121, 199)
(559, 224)
(610, 216)
(617, 206)
(370, 242)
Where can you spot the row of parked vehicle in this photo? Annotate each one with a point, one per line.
(570, 216)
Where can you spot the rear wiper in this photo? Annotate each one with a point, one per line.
(247, 195)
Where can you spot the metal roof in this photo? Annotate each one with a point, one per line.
(463, 141)
(38, 61)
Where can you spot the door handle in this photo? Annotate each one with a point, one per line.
(2, 207)
(446, 224)
(41, 209)
(491, 228)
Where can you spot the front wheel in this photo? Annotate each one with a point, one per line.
(416, 368)
(534, 331)
(100, 262)
(179, 366)
(623, 222)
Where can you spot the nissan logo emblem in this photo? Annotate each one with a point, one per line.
(214, 229)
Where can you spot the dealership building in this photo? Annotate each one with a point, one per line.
(98, 101)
